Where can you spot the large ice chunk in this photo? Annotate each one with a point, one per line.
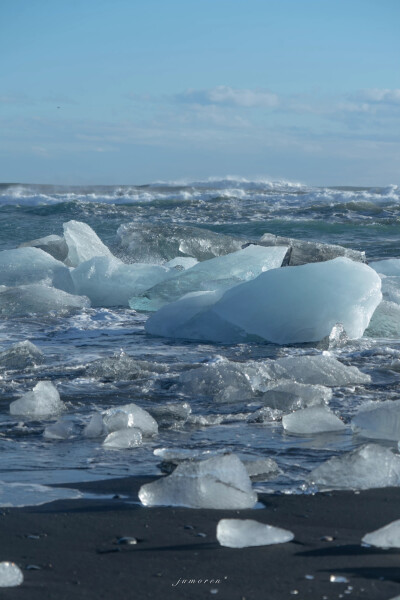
(21, 355)
(10, 574)
(222, 272)
(130, 415)
(284, 306)
(23, 266)
(321, 369)
(55, 245)
(380, 421)
(370, 466)
(124, 438)
(219, 482)
(291, 395)
(83, 243)
(303, 252)
(385, 537)
(315, 419)
(242, 533)
(157, 243)
(44, 400)
(38, 299)
(107, 281)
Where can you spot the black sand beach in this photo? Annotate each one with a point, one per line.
(75, 545)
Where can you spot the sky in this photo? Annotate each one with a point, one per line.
(133, 91)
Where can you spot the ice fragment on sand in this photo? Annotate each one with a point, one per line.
(242, 533)
(23, 266)
(38, 299)
(221, 272)
(303, 252)
(379, 420)
(155, 243)
(107, 281)
(385, 537)
(95, 427)
(83, 243)
(316, 419)
(218, 482)
(32, 494)
(130, 415)
(55, 245)
(285, 306)
(43, 400)
(60, 430)
(124, 438)
(21, 355)
(291, 395)
(10, 574)
(370, 466)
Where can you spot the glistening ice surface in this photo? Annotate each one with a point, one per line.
(207, 397)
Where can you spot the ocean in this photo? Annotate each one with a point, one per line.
(101, 357)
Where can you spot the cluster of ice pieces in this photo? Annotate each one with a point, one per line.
(243, 533)
(284, 306)
(218, 482)
(43, 401)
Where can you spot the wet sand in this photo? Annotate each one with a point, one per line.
(74, 544)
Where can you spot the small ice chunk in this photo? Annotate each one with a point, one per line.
(43, 400)
(379, 420)
(95, 427)
(23, 266)
(385, 322)
(385, 537)
(315, 419)
(218, 482)
(322, 369)
(171, 415)
(130, 415)
(21, 355)
(221, 272)
(107, 281)
(60, 430)
(370, 466)
(262, 468)
(338, 579)
(115, 368)
(38, 299)
(242, 533)
(55, 245)
(124, 438)
(290, 305)
(10, 574)
(83, 243)
(291, 395)
(215, 378)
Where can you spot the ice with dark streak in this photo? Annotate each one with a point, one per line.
(218, 482)
(284, 306)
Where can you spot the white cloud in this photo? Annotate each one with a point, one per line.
(225, 95)
(376, 95)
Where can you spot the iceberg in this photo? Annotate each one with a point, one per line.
(124, 438)
(302, 252)
(316, 419)
(10, 574)
(222, 272)
(55, 245)
(385, 537)
(21, 355)
(285, 306)
(23, 266)
(38, 299)
(243, 533)
(44, 400)
(218, 482)
(107, 281)
(83, 243)
(370, 466)
(130, 415)
(157, 243)
(380, 421)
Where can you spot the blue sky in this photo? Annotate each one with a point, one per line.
(127, 91)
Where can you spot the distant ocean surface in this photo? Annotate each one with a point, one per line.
(365, 219)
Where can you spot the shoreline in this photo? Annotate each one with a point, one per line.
(74, 542)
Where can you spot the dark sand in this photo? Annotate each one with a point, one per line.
(74, 544)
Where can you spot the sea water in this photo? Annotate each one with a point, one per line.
(101, 358)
